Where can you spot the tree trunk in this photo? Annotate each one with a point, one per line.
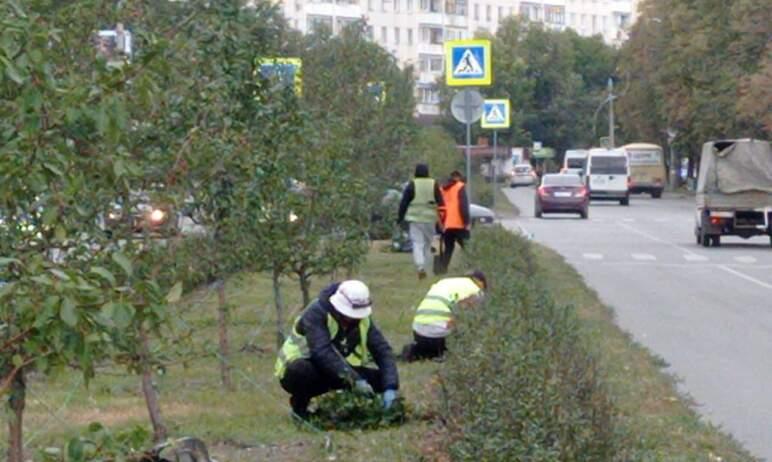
(151, 396)
(279, 303)
(305, 287)
(16, 402)
(223, 319)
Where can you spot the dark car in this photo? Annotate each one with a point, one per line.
(563, 193)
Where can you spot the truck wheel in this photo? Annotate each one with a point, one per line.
(716, 240)
(625, 201)
(697, 235)
(656, 194)
(704, 238)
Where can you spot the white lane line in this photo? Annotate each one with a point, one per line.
(593, 256)
(695, 257)
(745, 259)
(661, 220)
(628, 220)
(656, 239)
(643, 257)
(746, 277)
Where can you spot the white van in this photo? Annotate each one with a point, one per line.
(575, 161)
(608, 175)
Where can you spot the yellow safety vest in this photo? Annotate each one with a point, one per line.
(296, 346)
(423, 208)
(438, 304)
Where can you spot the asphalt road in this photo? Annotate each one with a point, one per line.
(706, 311)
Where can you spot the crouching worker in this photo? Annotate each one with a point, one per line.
(434, 318)
(331, 346)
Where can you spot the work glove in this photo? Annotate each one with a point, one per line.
(361, 386)
(389, 396)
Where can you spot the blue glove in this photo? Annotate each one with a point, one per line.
(363, 387)
(389, 396)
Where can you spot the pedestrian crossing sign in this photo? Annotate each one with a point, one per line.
(286, 71)
(495, 113)
(468, 63)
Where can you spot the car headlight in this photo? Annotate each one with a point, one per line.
(157, 216)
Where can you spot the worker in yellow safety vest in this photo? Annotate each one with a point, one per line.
(334, 344)
(434, 318)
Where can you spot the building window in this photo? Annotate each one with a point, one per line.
(370, 5)
(369, 33)
(572, 19)
(396, 6)
(298, 6)
(604, 23)
(385, 5)
(594, 24)
(410, 37)
(396, 35)
(487, 12)
(433, 6)
(317, 23)
(409, 6)
(555, 14)
(430, 63)
(456, 7)
(429, 95)
(476, 11)
(501, 13)
(384, 34)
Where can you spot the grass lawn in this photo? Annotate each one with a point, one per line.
(251, 423)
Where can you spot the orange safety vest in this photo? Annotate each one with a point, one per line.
(452, 217)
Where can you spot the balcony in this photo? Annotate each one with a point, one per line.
(331, 9)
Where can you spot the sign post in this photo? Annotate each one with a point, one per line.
(496, 114)
(468, 64)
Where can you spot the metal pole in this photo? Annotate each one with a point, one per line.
(611, 112)
(495, 165)
(468, 110)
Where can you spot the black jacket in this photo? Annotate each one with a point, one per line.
(409, 194)
(328, 353)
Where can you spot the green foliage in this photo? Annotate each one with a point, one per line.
(99, 444)
(521, 382)
(698, 71)
(554, 80)
(346, 410)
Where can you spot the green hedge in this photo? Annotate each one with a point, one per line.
(521, 383)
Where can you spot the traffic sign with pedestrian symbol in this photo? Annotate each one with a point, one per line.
(468, 63)
(495, 113)
(287, 71)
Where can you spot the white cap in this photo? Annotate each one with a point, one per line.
(352, 299)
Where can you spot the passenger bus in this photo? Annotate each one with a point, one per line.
(647, 168)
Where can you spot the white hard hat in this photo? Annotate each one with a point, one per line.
(352, 299)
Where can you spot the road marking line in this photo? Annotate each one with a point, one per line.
(661, 220)
(695, 257)
(746, 277)
(643, 257)
(656, 239)
(593, 256)
(745, 259)
(628, 220)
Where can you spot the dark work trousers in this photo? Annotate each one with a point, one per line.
(303, 381)
(450, 237)
(423, 348)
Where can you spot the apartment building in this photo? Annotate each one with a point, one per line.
(414, 31)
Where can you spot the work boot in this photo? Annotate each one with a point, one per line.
(299, 408)
(421, 274)
(407, 353)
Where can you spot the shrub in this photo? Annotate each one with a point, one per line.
(520, 382)
(346, 410)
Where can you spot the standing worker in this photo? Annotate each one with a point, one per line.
(456, 221)
(434, 318)
(420, 206)
(330, 346)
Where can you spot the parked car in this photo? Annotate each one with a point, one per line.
(481, 216)
(523, 175)
(561, 193)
